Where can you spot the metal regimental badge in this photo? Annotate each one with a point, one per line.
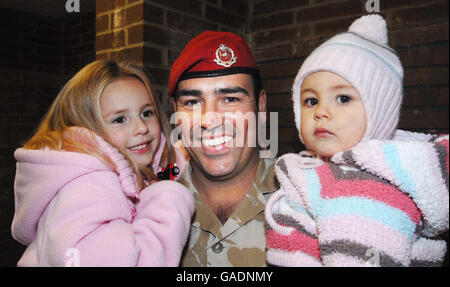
(225, 56)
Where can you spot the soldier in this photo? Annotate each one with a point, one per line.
(217, 77)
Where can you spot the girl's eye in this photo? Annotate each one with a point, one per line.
(342, 99)
(118, 120)
(147, 113)
(310, 102)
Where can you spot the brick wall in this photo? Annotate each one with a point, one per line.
(28, 69)
(38, 54)
(283, 33)
(78, 42)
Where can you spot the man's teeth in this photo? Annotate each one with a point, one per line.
(138, 147)
(216, 141)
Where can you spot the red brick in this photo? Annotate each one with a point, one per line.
(181, 22)
(103, 6)
(172, 55)
(165, 37)
(136, 34)
(428, 118)
(271, 21)
(282, 35)
(422, 56)
(153, 14)
(329, 11)
(286, 118)
(109, 41)
(333, 27)
(425, 96)
(277, 52)
(419, 35)
(192, 7)
(426, 76)
(224, 17)
(102, 56)
(103, 42)
(276, 102)
(296, 49)
(239, 7)
(102, 23)
(270, 6)
(432, 13)
(152, 56)
(132, 54)
(279, 69)
(160, 76)
(288, 135)
(385, 5)
(134, 14)
(282, 85)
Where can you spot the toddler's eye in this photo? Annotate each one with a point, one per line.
(118, 120)
(310, 102)
(342, 99)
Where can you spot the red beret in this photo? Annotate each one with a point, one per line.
(212, 54)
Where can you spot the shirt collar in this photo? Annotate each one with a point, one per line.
(251, 205)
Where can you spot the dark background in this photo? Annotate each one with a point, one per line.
(42, 46)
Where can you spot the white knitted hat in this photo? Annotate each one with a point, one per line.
(363, 58)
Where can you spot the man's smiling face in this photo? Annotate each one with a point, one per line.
(220, 148)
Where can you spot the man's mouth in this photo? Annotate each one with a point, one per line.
(216, 141)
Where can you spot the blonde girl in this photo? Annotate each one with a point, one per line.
(86, 193)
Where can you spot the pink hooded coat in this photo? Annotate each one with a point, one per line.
(72, 209)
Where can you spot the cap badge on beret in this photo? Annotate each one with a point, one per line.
(225, 56)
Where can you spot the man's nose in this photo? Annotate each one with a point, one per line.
(211, 117)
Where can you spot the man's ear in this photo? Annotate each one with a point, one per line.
(174, 104)
(262, 101)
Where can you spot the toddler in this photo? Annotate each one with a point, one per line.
(86, 193)
(364, 193)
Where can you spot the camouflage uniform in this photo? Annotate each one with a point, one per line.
(241, 240)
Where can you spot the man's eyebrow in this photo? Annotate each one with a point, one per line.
(186, 92)
(232, 90)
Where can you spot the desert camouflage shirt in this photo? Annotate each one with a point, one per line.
(241, 240)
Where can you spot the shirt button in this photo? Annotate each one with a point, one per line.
(218, 247)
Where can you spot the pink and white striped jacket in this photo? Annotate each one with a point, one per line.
(380, 203)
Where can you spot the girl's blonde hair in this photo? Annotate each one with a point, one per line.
(78, 105)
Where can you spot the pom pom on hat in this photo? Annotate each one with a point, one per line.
(363, 58)
(372, 28)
